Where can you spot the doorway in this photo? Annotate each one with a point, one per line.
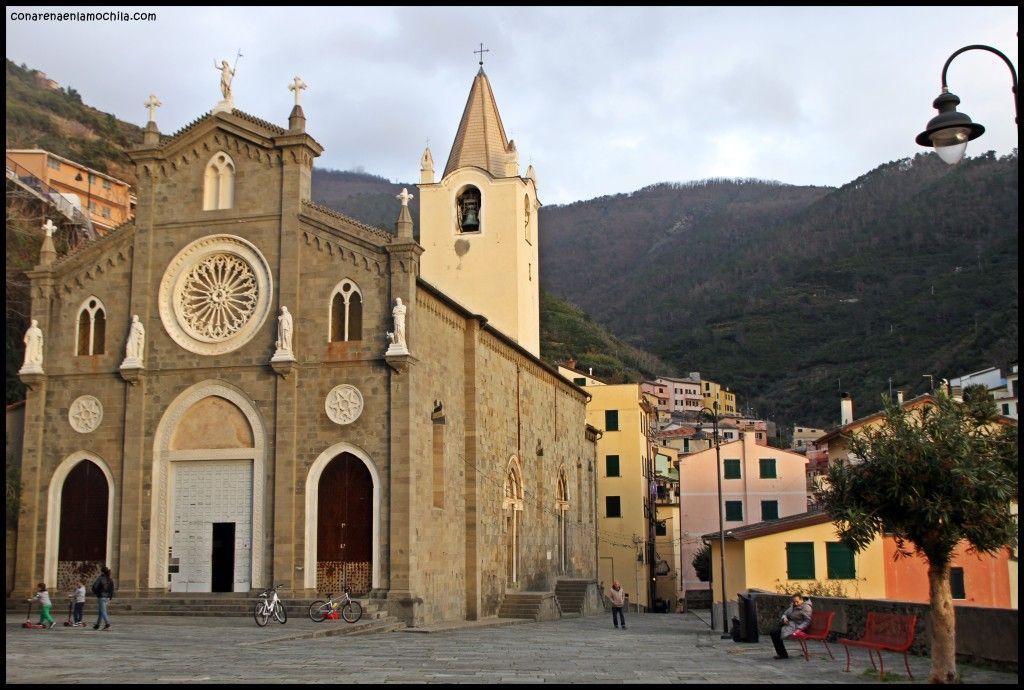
(222, 557)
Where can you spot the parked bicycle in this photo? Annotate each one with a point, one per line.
(269, 605)
(351, 610)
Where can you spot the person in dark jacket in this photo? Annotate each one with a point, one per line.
(796, 617)
(103, 588)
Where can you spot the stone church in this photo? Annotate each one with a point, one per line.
(241, 388)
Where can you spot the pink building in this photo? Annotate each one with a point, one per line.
(676, 394)
(758, 483)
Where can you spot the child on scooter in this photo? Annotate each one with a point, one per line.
(45, 619)
(79, 599)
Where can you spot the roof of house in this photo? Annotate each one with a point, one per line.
(760, 529)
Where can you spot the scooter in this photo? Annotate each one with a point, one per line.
(69, 623)
(28, 623)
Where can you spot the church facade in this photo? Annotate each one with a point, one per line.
(297, 401)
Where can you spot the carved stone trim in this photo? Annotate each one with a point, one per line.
(85, 414)
(215, 294)
(344, 404)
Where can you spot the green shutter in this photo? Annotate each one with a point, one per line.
(734, 511)
(611, 420)
(580, 381)
(731, 469)
(956, 583)
(611, 465)
(769, 510)
(612, 507)
(768, 468)
(800, 560)
(840, 561)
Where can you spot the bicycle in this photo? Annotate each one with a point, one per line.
(351, 610)
(269, 606)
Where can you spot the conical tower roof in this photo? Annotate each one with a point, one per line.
(480, 140)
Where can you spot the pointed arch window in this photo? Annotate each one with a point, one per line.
(527, 216)
(562, 512)
(346, 317)
(219, 183)
(91, 328)
(512, 504)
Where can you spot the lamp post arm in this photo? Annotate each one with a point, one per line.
(1013, 72)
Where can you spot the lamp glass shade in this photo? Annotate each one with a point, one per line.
(952, 154)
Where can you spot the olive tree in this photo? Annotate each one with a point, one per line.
(930, 477)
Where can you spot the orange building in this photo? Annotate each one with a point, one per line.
(109, 200)
(975, 579)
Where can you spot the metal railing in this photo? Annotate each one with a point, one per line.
(53, 196)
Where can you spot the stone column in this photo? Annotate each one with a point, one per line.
(472, 564)
(404, 595)
(32, 515)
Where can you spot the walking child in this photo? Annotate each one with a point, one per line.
(43, 596)
(79, 598)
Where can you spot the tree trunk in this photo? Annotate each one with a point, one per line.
(943, 626)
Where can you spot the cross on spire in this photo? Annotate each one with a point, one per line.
(49, 227)
(481, 52)
(297, 86)
(404, 196)
(151, 105)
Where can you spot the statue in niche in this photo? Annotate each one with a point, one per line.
(397, 337)
(284, 331)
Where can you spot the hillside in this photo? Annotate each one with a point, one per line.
(790, 294)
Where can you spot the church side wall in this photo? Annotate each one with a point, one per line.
(520, 405)
(438, 573)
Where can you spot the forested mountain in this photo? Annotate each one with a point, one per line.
(791, 294)
(785, 294)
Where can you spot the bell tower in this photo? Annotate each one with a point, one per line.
(478, 223)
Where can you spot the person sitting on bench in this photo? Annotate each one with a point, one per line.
(796, 617)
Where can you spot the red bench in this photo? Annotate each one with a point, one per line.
(892, 632)
(820, 627)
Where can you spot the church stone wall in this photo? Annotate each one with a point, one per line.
(521, 404)
(439, 532)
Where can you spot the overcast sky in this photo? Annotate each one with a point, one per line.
(600, 100)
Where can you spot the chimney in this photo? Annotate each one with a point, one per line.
(570, 363)
(845, 410)
(899, 397)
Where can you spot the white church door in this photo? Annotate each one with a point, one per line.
(212, 526)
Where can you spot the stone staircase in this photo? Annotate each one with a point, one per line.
(537, 606)
(226, 604)
(571, 595)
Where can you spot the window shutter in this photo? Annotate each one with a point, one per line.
(840, 561)
(800, 560)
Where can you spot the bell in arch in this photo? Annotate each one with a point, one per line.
(469, 206)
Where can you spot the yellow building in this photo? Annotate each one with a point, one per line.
(480, 222)
(714, 392)
(625, 462)
(799, 553)
(108, 199)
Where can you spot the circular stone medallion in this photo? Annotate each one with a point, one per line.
(344, 404)
(85, 414)
(215, 294)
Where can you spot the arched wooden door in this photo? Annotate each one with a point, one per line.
(345, 526)
(82, 549)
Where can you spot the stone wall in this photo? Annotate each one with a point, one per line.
(987, 634)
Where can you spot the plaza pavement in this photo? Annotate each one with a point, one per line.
(656, 648)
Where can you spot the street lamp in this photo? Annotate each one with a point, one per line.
(713, 417)
(949, 131)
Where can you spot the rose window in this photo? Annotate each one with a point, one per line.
(218, 297)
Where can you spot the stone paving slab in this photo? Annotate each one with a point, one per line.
(657, 648)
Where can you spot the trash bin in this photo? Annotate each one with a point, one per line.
(748, 618)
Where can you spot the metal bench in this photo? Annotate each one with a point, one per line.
(891, 632)
(819, 629)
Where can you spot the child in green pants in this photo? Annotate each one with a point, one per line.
(45, 604)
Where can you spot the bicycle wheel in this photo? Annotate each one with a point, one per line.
(317, 610)
(279, 613)
(352, 611)
(261, 614)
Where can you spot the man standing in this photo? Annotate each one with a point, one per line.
(618, 600)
